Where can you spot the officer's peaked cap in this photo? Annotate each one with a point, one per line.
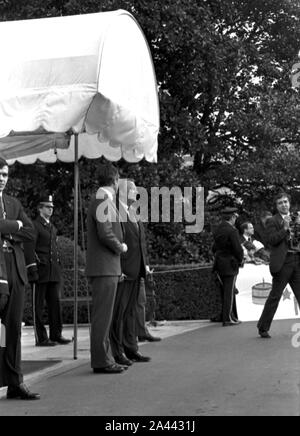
(229, 210)
(46, 200)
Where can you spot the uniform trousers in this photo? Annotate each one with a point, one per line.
(104, 291)
(228, 288)
(49, 292)
(12, 320)
(289, 273)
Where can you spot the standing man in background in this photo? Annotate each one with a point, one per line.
(44, 273)
(12, 302)
(103, 267)
(228, 258)
(134, 266)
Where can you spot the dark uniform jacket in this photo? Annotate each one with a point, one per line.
(278, 239)
(44, 251)
(228, 250)
(104, 242)
(134, 261)
(14, 211)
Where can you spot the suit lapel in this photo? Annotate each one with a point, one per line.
(279, 220)
(7, 206)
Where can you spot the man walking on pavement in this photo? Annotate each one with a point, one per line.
(44, 273)
(284, 260)
(12, 301)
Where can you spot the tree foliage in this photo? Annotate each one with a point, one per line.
(223, 70)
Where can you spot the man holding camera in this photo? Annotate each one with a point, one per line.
(284, 261)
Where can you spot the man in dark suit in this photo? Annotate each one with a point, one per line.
(134, 263)
(44, 272)
(103, 267)
(12, 312)
(284, 261)
(228, 258)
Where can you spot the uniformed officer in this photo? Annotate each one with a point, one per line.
(44, 273)
(228, 258)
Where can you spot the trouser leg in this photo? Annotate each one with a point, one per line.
(12, 320)
(54, 310)
(279, 282)
(40, 329)
(117, 327)
(103, 297)
(228, 290)
(130, 337)
(141, 329)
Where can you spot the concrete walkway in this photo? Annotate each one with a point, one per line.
(61, 358)
(198, 369)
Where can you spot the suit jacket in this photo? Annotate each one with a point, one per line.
(14, 211)
(278, 239)
(228, 250)
(6, 227)
(134, 261)
(104, 241)
(44, 252)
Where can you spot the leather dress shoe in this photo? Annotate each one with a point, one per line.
(216, 319)
(264, 334)
(236, 320)
(111, 369)
(230, 323)
(122, 360)
(138, 357)
(63, 341)
(46, 343)
(21, 392)
(149, 338)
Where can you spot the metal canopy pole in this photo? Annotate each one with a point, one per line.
(76, 185)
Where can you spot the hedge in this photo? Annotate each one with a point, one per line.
(183, 292)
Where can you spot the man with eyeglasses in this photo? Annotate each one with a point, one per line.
(44, 274)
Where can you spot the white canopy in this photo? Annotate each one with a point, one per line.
(90, 74)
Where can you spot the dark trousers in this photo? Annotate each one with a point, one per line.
(289, 274)
(49, 292)
(123, 332)
(229, 303)
(104, 291)
(141, 328)
(12, 319)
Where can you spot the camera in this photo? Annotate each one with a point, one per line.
(295, 231)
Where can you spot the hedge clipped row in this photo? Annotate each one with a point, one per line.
(182, 293)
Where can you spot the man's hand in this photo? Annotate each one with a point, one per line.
(3, 303)
(32, 274)
(20, 224)
(286, 222)
(148, 270)
(124, 248)
(122, 277)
